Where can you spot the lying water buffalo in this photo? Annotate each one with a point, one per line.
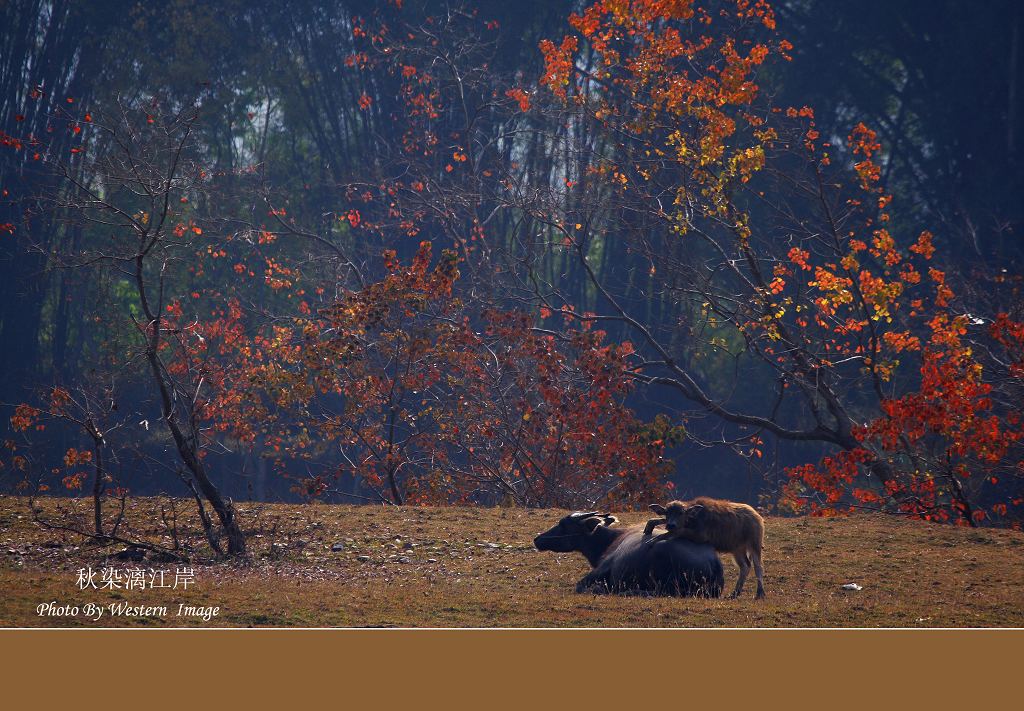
(624, 560)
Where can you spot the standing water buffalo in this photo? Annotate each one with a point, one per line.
(624, 562)
(728, 526)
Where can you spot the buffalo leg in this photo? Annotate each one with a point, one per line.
(744, 563)
(659, 537)
(759, 571)
(588, 583)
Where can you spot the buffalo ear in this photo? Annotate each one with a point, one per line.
(609, 519)
(591, 523)
(658, 509)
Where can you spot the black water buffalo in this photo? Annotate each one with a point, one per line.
(625, 561)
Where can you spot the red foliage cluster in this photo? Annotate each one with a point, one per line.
(844, 312)
(397, 386)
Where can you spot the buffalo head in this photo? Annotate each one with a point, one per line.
(572, 532)
(680, 514)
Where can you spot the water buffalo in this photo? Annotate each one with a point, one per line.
(728, 526)
(624, 560)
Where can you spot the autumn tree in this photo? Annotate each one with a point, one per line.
(88, 411)
(775, 265)
(134, 198)
(547, 418)
(403, 387)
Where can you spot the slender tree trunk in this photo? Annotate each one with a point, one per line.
(187, 446)
(396, 493)
(225, 511)
(211, 535)
(97, 484)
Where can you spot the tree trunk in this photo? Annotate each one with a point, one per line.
(189, 455)
(97, 484)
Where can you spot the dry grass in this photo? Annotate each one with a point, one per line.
(462, 567)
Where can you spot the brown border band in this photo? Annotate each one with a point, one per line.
(668, 669)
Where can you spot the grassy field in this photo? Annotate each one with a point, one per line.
(467, 567)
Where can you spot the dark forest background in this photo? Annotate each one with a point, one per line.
(939, 80)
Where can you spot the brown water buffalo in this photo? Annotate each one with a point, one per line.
(623, 562)
(727, 526)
